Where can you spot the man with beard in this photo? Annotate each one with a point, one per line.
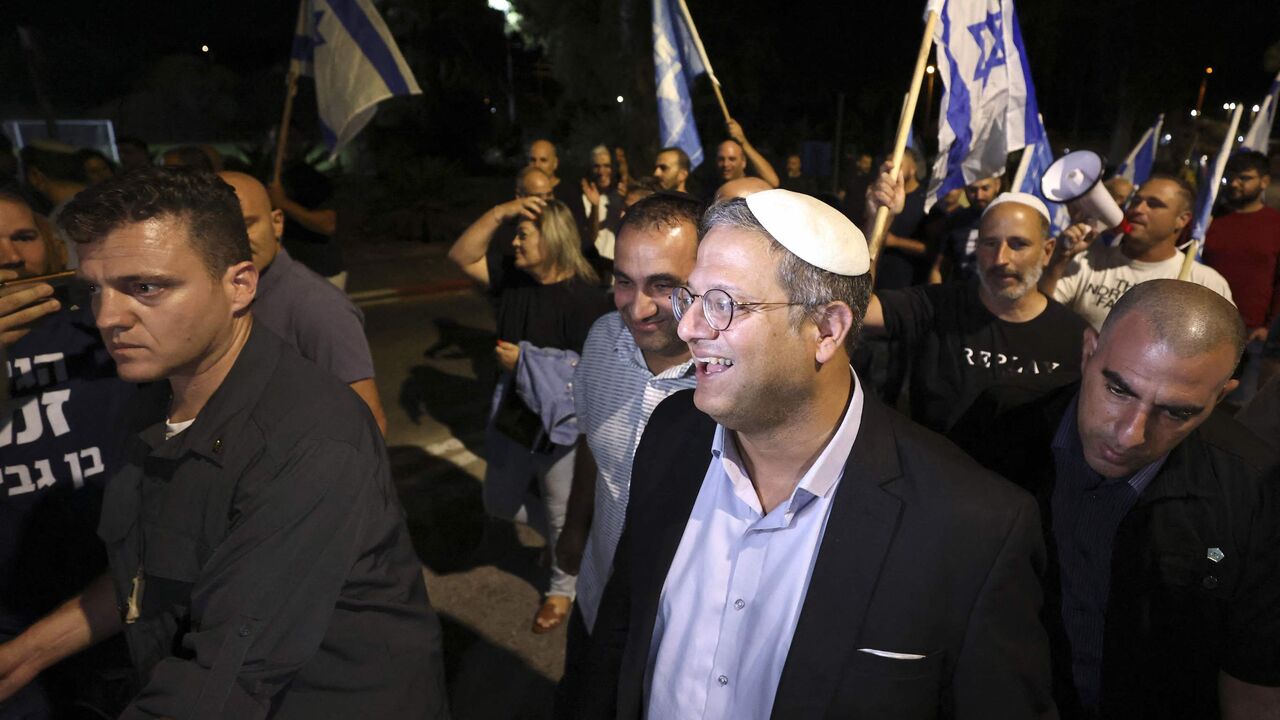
(994, 334)
(957, 257)
(1090, 277)
(793, 548)
(632, 361)
(1161, 516)
(733, 155)
(672, 168)
(1244, 245)
(61, 438)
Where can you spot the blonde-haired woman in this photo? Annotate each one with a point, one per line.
(548, 298)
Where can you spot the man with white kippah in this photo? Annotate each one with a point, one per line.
(827, 557)
(995, 336)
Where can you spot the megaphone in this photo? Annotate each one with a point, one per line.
(1076, 179)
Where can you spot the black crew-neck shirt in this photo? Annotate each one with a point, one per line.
(558, 315)
(960, 350)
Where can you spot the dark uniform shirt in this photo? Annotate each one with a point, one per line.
(1194, 584)
(279, 578)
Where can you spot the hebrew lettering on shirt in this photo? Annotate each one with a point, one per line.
(29, 423)
(36, 372)
(24, 479)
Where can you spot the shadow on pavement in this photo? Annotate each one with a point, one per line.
(459, 402)
(487, 682)
(447, 521)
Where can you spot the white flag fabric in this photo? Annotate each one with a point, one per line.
(1138, 163)
(1259, 136)
(1213, 182)
(347, 48)
(988, 105)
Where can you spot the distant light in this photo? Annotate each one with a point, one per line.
(619, 98)
(1207, 71)
(1194, 113)
(1224, 181)
(931, 69)
(1233, 106)
(500, 5)
(1168, 138)
(204, 48)
(1239, 138)
(1226, 106)
(1256, 108)
(1066, 151)
(493, 110)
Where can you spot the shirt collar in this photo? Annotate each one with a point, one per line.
(821, 477)
(625, 346)
(244, 384)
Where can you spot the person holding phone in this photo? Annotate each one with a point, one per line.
(61, 437)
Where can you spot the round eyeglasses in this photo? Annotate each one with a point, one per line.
(717, 306)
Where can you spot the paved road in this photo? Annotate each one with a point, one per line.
(433, 353)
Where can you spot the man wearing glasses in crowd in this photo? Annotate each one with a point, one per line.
(831, 558)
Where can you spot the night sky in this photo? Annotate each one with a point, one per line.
(778, 60)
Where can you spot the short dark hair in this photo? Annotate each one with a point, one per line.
(85, 153)
(202, 201)
(663, 210)
(682, 157)
(190, 156)
(63, 166)
(1248, 160)
(1185, 191)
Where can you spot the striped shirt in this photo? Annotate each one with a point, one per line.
(614, 394)
(1087, 510)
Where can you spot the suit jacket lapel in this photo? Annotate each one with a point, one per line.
(864, 518)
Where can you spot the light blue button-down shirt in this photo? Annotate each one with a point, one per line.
(733, 595)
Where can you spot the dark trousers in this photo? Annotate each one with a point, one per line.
(576, 648)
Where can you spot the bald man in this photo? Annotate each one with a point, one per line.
(1162, 517)
(304, 309)
(996, 334)
(734, 154)
(740, 188)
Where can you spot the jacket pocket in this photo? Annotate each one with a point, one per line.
(891, 688)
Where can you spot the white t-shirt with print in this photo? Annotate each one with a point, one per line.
(1095, 280)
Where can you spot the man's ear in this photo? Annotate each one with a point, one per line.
(1227, 389)
(277, 223)
(834, 326)
(241, 283)
(1049, 245)
(1088, 347)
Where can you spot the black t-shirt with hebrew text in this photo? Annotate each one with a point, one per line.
(960, 350)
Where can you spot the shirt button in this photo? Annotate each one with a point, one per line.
(722, 680)
(1210, 582)
(739, 603)
(244, 631)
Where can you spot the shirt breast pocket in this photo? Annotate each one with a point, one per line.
(875, 686)
(171, 562)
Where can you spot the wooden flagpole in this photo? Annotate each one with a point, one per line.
(706, 63)
(904, 126)
(282, 137)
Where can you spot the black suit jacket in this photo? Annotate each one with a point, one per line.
(924, 552)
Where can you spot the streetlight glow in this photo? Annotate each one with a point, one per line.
(619, 98)
(204, 48)
(930, 69)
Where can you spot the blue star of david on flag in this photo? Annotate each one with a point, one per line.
(990, 40)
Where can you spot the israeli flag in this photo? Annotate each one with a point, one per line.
(988, 102)
(347, 48)
(1213, 182)
(1259, 136)
(676, 64)
(1036, 159)
(1137, 164)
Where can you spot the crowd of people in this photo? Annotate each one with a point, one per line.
(992, 472)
